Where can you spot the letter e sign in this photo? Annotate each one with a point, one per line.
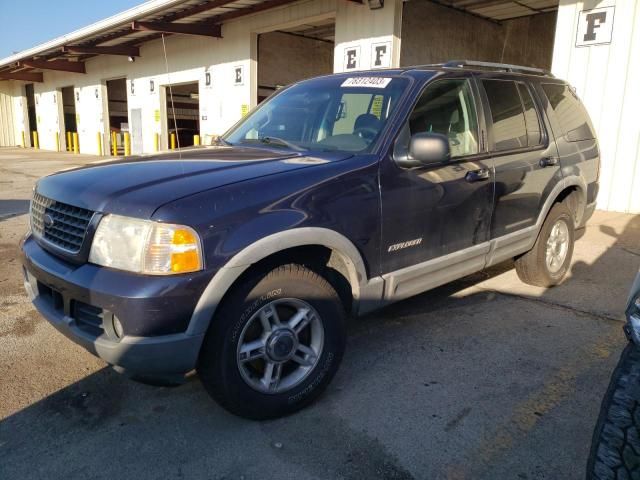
(238, 73)
(352, 58)
(595, 27)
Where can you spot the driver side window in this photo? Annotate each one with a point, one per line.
(447, 107)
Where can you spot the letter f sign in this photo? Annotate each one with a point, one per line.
(594, 20)
(595, 27)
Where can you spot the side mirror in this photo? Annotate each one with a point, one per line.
(426, 148)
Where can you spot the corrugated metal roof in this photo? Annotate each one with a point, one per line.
(498, 10)
(117, 30)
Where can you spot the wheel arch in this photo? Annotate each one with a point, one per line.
(341, 247)
(572, 188)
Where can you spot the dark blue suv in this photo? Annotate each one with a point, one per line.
(336, 196)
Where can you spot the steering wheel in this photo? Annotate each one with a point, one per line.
(366, 133)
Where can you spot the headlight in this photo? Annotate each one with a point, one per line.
(143, 246)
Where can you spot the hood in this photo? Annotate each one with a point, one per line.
(138, 186)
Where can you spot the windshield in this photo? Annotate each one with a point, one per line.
(331, 113)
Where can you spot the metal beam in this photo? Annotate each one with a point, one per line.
(24, 76)
(308, 37)
(58, 65)
(125, 51)
(181, 28)
(258, 7)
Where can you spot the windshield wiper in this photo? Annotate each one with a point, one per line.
(281, 141)
(221, 141)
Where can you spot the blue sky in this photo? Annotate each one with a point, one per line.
(28, 23)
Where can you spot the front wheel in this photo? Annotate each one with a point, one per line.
(546, 264)
(275, 343)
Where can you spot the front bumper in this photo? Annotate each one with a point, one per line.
(81, 301)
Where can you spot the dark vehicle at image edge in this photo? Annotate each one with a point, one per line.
(615, 445)
(335, 197)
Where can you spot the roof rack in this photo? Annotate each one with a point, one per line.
(496, 66)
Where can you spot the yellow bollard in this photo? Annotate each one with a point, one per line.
(156, 142)
(57, 141)
(69, 145)
(114, 144)
(99, 143)
(36, 143)
(76, 143)
(24, 143)
(127, 144)
(173, 141)
(196, 140)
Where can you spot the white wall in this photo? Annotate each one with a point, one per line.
(607, 78)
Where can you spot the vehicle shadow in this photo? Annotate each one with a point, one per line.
(464, 381)
(13, 208)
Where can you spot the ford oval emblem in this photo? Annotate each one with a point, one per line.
(47, 220)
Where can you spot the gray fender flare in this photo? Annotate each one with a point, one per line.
(566, 182)
(297, 237)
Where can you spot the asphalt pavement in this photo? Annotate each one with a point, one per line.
(482, 378)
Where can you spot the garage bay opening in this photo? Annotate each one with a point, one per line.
(294, 53)
(183, 115)
(70, 124)
(31, 113)
(118, 114)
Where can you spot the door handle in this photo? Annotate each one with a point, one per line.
(477, 175)
(548, 162)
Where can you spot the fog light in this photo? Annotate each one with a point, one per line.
(117, 327)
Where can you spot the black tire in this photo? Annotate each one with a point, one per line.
(532, 266)
(615, 447)
(218, 367)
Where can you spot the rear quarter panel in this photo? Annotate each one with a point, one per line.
(581, 158)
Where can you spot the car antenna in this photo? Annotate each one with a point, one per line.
(173, 108)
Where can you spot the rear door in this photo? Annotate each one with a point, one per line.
(524, 153)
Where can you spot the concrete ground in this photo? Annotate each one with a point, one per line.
(482, 378)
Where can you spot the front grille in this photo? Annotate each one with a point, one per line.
(58, 223)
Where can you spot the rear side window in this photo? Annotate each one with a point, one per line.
(531, 118)
(507, 114)
(571, 114)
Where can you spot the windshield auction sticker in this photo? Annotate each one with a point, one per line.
(370, 82)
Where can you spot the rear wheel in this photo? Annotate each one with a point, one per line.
(275, 343)
(548, 261)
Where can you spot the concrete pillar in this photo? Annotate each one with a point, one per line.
(366, 38)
